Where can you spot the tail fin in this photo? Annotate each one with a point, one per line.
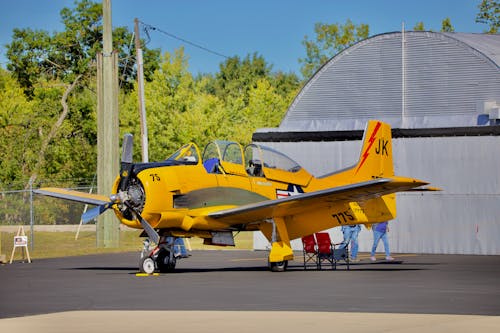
(375, 160)
(376, 154)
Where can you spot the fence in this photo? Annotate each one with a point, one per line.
(35, 212)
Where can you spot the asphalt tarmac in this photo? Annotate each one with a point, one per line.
(437, 291)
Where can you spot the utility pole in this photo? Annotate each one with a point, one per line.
(140, 90)
(108, 227)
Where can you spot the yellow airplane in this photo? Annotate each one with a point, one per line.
(228, 189)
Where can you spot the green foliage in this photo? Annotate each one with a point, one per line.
(16, 130)
(285, 84)
(244, 95)
(489, 13)
(419, 26)
(236, 77)
(231, 105)
(265, 109)
(72, 52)
(330, 39)
(27, 56)
(446, 25)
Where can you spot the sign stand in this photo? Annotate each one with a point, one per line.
(20, 240)
(3, 257)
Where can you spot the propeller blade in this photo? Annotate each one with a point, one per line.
(126, 165)
(92, 213)
(127, 148)
(150, 231)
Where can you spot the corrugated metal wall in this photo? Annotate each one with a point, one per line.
(444, 78)
(462, 219)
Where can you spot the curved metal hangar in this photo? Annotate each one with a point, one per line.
(441, 94)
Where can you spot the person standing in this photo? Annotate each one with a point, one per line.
(380, 231)
(350, 233)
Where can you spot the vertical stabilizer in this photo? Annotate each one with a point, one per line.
(376, 153)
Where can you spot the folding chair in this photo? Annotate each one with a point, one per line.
(309, 250)
(341, 252)
(325, 249)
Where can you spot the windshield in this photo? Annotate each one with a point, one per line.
(186, 153)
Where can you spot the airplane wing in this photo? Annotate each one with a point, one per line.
(313, 200)
(86, 198)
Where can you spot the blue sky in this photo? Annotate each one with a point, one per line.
(271, 28)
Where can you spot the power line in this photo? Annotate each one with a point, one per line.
(150, 27)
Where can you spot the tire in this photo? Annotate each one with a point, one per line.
(279, 266)
(164, 263)
(147, 265)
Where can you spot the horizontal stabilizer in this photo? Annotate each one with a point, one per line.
(424, 189)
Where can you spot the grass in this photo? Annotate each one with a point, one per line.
(62, 244)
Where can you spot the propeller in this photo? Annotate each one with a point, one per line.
(126, 167)
(93, 213)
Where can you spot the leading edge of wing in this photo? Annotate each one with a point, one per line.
(61, 193)
(352, 192)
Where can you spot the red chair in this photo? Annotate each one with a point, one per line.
(329, 252)
(309, 250)
(325, 249)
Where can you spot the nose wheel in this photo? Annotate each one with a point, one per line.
(147, 265)
(162, 258)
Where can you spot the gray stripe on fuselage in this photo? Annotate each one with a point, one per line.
(216, 196)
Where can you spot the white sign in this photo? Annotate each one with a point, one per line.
(20, 241)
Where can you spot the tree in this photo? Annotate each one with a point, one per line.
(16, 115)
(419, 26)
(63, 62)
(231, 105)
(489, 13)
(49, 100)
(446, 25)
(266, 108)
(71, 53)
(237, 76)
(330, 40)
(285, 84)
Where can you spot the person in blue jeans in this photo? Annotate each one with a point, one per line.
(179, 247)
(380, 231)
(350, 233)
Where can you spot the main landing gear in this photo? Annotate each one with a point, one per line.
(162, 258)
(279, 266)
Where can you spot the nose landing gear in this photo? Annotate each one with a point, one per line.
(162, 258)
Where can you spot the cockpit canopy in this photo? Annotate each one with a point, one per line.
(228, 157)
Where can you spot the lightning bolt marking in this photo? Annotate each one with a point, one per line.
(371, 141)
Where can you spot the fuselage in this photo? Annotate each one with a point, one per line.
(179, 193)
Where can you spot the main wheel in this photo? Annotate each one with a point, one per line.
(147, 265)
(164, 262)
(279, 266)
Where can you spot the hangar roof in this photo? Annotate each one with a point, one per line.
(488, 44)
(415, 79)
